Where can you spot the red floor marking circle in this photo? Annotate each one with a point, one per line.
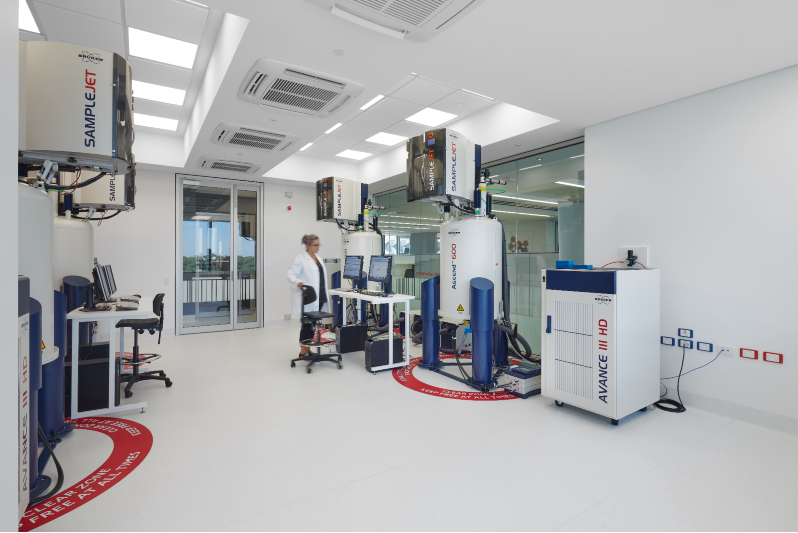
(404, 375)
(132, 443)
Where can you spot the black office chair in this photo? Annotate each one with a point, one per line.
(139, 325)
(313, 319)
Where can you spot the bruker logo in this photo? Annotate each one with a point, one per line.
(604, 300)
(89, 57)
(454, 232)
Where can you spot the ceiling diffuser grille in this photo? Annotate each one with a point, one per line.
(228, 165)
(287, 87)
(413, 11)
(238, 135)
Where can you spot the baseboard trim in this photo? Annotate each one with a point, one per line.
(737, 412)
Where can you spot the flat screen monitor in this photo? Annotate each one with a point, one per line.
(111, 280)
(107, 277)
(103, 290)
(380, 268)
(353, 267)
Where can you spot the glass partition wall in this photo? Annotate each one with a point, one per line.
(218, 228)
(541, 209)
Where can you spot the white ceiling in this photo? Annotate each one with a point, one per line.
(581, 62)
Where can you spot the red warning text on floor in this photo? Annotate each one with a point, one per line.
(132, 443)
(404, 375)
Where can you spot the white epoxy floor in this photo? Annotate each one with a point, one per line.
(244, 442)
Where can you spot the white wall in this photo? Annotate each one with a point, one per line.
(710, 184)
(9, 61)
(140, 244)
(282, 242)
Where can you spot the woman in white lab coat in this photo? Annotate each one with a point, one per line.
(308, 269)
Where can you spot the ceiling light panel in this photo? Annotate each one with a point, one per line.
(333, 128)
(524, 199)
(386, 138)
(372, 102)
(26, 20)
(570, 184)
(192, 18)
(305, 147)
(158, 93)
(353, 154)
(162, 49)
(154, 122)
(431, 117)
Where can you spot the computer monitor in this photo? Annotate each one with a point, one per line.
(380, 268)
(103, 290)
(353, 267)
(111, 280)
(107, 276)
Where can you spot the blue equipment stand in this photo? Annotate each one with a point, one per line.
(39, 483)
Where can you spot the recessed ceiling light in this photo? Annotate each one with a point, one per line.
(353, 154)
(158, 93)
(388, 139)
(154, 122)
(570, 184)
(334, 128)
(372, 102)
(305, 147)
(196, 3)
(430, 117)
(519, 213)
(480, 95)
(162, 49)
(26, 20)
(533, 166)
(574, 157)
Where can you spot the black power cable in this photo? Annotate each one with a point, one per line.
(672, 406)
(78, 186)
(60, 470)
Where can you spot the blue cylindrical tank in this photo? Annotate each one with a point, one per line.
(75, 290)
(35, 385)
(430, 302)
(51, 395)
(482, 313)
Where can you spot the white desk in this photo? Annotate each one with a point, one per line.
(390, 301)
(77, 316)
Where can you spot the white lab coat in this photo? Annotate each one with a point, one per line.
(304, 269)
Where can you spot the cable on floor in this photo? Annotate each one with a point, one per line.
(672, 406)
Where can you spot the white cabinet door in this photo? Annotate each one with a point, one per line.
(578, 359)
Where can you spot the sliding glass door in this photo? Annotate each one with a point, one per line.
(218, 262)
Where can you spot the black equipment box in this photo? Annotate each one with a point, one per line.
(377, 352)
(92, 379)
(351, 338)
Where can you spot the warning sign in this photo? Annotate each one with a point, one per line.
(404, 375)
(132, 443)
(460, 307)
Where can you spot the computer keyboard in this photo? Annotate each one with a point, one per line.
(130, 298)
(373, 293)
(127, 306)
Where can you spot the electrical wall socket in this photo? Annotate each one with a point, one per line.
(640, 251)
(730, 350)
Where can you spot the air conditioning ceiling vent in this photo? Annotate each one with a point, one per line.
(228, 165)
(295, 89)
(416, 20)
(251, 137)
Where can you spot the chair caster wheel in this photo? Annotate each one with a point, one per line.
(293, 364)
(614, 422)
(558, 403)
(340, 367)
(309, 370)
(168, 382)
(339, 358)
(128, 394)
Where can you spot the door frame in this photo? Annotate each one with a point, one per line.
(233, 185)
